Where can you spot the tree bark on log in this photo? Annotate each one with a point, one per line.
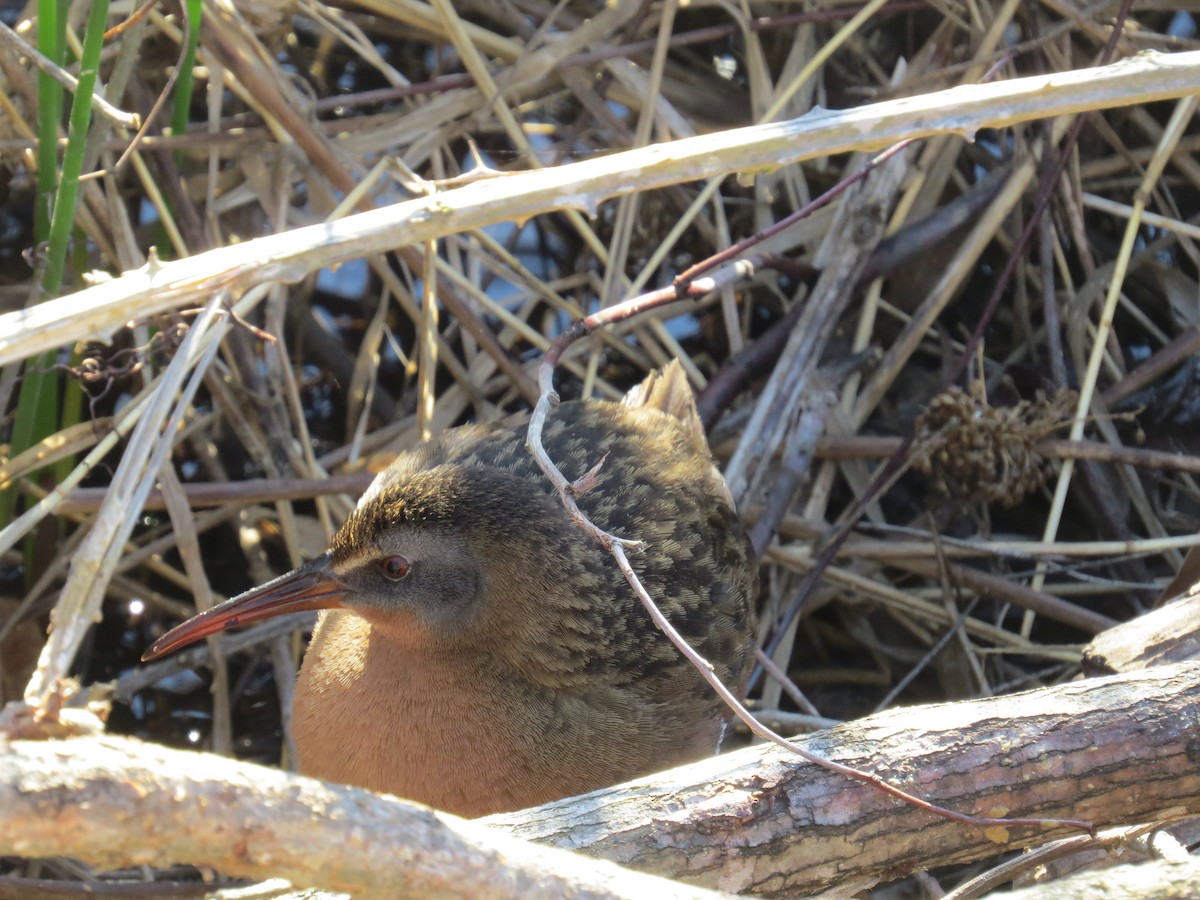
(1168, 634)
(1113, 750)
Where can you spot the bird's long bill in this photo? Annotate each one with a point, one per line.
(308, 587)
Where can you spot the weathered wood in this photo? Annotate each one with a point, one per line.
(1160, 880)
(115, 802)
(1168, 634)
(1113, 750)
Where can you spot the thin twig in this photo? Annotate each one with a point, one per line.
(616, 546)
(17, 45)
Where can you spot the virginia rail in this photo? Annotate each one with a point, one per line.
(478, 652)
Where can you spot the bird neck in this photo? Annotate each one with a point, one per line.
(390, 656)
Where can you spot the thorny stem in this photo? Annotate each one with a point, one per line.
(705, 668)
(548, 399)
(684, 280)
(616, 546)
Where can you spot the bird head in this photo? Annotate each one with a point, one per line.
(412, 559)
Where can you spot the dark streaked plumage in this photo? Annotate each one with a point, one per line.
(479, 652)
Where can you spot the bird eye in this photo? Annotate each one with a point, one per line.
(395, 567)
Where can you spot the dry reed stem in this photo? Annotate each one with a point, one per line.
(288, 257)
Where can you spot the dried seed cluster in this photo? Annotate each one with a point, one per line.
(977, 452)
